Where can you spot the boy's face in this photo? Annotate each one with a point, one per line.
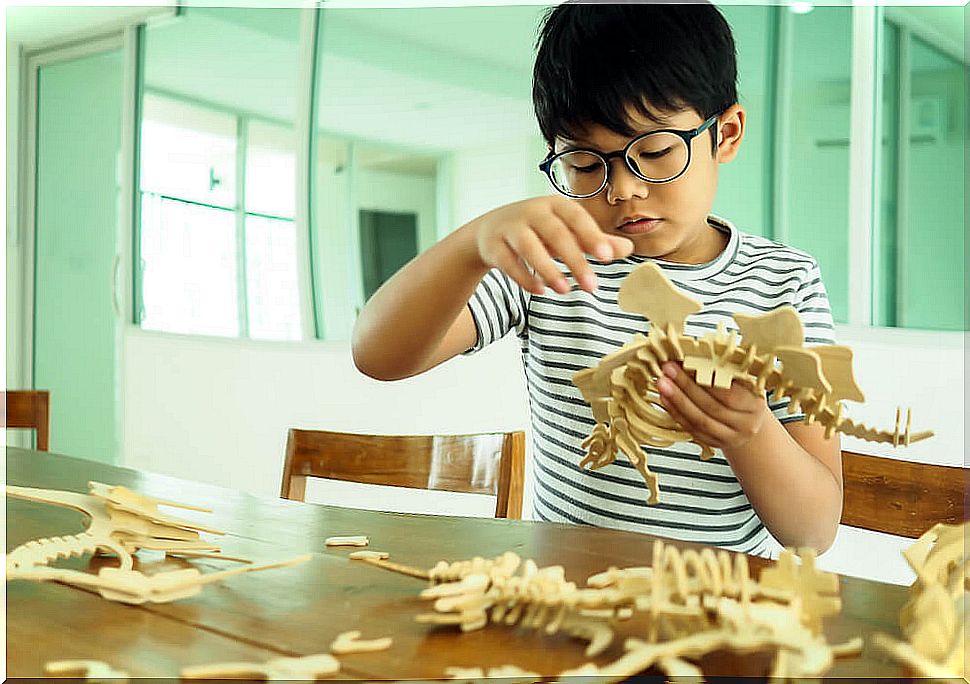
(680, 231)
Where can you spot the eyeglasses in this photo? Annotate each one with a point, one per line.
(656, 157)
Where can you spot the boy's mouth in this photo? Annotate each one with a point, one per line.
(639, 226)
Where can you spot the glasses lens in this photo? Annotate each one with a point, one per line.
(578, 173)
(659, 156)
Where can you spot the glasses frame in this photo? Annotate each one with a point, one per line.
(605, 157)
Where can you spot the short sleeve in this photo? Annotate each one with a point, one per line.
(811, 301)
(498, 305)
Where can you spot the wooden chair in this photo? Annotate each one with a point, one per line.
(901, 497)
(488, 463)
(29, 409)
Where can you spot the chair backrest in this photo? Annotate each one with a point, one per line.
(487, 463)
(29, 409)
(901, 497)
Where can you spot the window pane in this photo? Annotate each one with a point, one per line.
(189, 268)
(220, 91)
(272, 291)
(744, 185)
(817, 153)
(270, 169)
(932, 234)
(425, 111)
(188, 152)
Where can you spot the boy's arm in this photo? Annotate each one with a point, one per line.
(419, 318)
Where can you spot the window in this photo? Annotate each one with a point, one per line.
(814, 210)
(919, 269)
(218, 244)
(426, 112)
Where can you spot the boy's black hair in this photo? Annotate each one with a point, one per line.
(594, 60)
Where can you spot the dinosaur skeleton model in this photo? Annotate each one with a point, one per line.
(768, 357)
(934, 619)
(695, 602)
(121, 523)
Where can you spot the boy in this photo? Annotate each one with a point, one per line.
(638, 104)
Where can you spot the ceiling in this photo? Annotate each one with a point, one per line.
(432, 78)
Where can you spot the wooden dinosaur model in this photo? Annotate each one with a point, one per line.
(769, 356)
(934, 620)
(696, 602)
(121, 522)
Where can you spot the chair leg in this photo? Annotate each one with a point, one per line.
(294, 488)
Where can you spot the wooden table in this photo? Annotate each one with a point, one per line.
(299, 610)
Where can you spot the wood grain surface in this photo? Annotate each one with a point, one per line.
(299, 610)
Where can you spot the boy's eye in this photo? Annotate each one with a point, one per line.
(588, 168)
(655, 154)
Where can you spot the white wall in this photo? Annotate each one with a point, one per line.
(486, 178)
(217, 410)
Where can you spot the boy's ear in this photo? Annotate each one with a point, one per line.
(730, 128)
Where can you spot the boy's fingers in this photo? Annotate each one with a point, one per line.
(561, 242)
(700, 396)
(512, 265)
(527, 245)
(701, 424)
(622, 247)
(591, 239)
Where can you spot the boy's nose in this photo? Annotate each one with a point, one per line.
(623, 184)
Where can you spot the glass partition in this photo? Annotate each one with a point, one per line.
(816, 182)
(744, 185)
(423, 121)
(217, 174)
(931, 233)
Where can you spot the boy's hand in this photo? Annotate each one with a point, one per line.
(533, 231)
(722, 418)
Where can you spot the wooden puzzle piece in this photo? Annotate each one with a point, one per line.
(934, 619)
(780, 327)
(115, 531)
(817, 589)
(509, 673)
(908, 655)
(303, 668)
(123, 499)
(648, 292)
(350, 642)
(90, 670)
(837, 369)
(360, 555)
(804, 378)
(134, 587)
(356, 540)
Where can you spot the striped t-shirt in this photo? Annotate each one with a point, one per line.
(700, 501)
